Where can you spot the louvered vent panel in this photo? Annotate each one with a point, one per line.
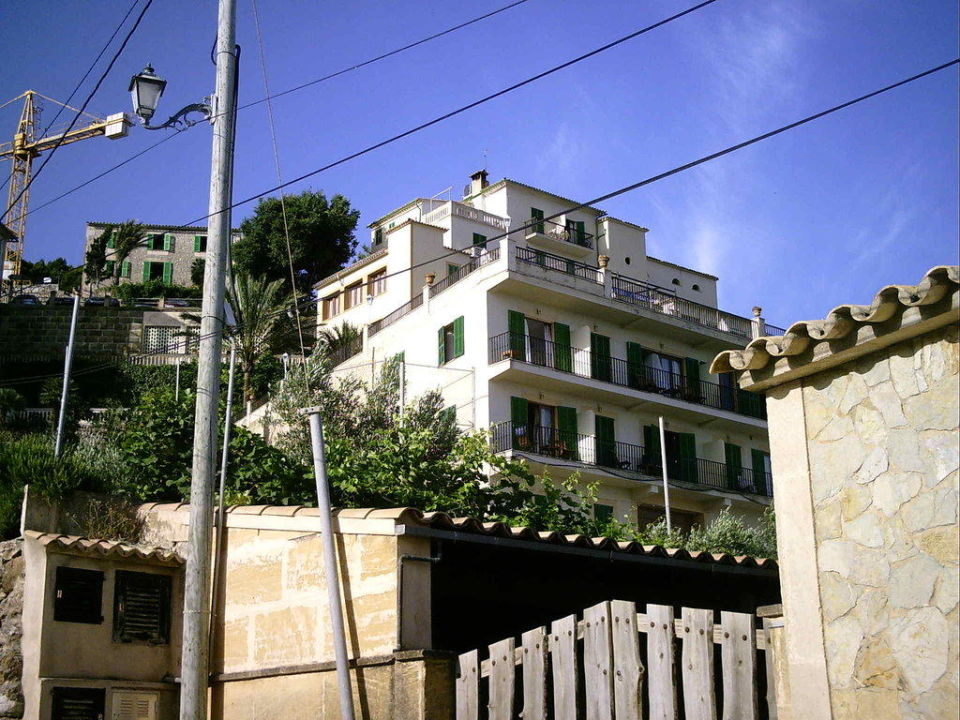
(135, 705)
(78, 704)
(142, 607)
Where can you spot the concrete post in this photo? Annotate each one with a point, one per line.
(67, 364)
(757, 325)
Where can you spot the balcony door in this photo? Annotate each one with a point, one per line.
(539, 339)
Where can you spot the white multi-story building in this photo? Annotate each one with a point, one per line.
(565, 339)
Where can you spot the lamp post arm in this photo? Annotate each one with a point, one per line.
(180, 119)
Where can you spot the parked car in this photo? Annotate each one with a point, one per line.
(176, 302)
(25, 300)
(112, 302)
(60, 300)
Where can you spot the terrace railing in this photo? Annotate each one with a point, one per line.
(559, 264)
(352, 348)
(544, 353)
(563, 233)
(616, 455)
(402, 311)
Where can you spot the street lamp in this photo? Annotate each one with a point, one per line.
(146, 87)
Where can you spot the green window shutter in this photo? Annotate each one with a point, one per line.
(458, 337)
(691, 379)
(537, 215)
(567, 428)
(733, 457)
(168, 273)
(479, 239)
(606, 441)
(441, 346)
(517, 324)
(602, 513)
(168, 242)
(581, 235)
(759, 471)
(651, 450)
(196, 243)
(688, 457)
(600, 366)
(519, 407)
(111, 243)
(146, 270)
(125, 269)
(634, 365)
(562, 354)
(111, 265)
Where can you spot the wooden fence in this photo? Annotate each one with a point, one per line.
(592, 669)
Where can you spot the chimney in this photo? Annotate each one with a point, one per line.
(478, 181)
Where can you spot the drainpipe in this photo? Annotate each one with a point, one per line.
(433, 560)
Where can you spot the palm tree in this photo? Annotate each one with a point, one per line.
(95, 262)
(127, 237)
(335, 341)
(114, 244)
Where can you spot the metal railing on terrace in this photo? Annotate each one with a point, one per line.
(473, 263)
(769, 329)
(352, 348)
(627, 457)
(563, 233)
(559, 264)
(545, 353)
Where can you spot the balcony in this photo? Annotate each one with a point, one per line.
(624, 457)
(544, 353)
(466, 212)
(560, 238)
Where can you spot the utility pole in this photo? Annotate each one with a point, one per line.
(663, 464)
(196, 611)
(67, 363)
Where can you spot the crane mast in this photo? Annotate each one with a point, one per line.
(23, 149)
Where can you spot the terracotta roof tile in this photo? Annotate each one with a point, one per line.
(105, 548)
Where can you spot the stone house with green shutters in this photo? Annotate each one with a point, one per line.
(566, 340)
(167, 254)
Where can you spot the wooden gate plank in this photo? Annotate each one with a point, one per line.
(738, 664)
(502, 678)
(627, 668)
(563, 651)
(699, 694)
(534, 644)
(468, 685)
(598, 662)
(662, 686)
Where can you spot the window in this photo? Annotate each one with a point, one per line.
(537, 216)
(450, 341)
(606, 441)
(682, 463)
(664, 371)
(110, 266)
(479, 240)
(154, 241)
(377, 282)
(539, 338)
(576, 232)
(158, 271)
(78, 595)
(602, 513)
(125, 269)
(331, 306)
(697, 288)
(378, 236)
(199, 243)
(163, 339)
(601, 365)
(77, 703)
(353, 296)
(675, 281)
(141, 607)
(683, 519)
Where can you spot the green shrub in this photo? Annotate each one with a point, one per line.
(155, 289)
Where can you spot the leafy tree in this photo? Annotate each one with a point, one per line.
(321, 238)
(10, 401)
(334, 340)
(58, 270)
(95, 261)
(197, 270)
(127, 237)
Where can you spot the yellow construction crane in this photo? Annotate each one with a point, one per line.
(24, 148)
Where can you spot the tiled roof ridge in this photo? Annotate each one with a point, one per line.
(98, 546)
(935, 285)
(439, 520)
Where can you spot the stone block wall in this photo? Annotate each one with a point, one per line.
(42, 332)
(882, 445)
(11, 628)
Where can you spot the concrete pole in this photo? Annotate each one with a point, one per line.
(196, 611)
(663, 462)
(227, 426)
(330, 564)
(176, 383)
(402, 390)
(67, 363)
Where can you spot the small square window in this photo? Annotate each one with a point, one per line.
(78, 595)
(78, 703)
(603, 513)
(141, 607)
(479, 240)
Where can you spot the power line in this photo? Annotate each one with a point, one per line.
(79, 84)
(310, 83)
(83, 107)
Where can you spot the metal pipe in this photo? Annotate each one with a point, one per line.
(67, 363)
(330, 563)
(197, 576)
(663, 462)
(176, 383)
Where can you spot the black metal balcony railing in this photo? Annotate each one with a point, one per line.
(461, 272)
(627, 457)
(537, 351)
(563, 233)
(353, 347)
(558, 264)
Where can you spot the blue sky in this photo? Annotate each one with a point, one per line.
(822, 215)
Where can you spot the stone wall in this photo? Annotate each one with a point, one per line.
(11, 605)
(882, 446)
(28, 332)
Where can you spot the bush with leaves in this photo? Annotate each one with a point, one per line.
(155, 289)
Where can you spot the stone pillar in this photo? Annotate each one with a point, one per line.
(757, 325)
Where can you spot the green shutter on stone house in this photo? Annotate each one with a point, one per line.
(600, 365)
(441, 345)
(146, 270)
(519, 408)
(688, 457)
(110, 266)
(125, 269)
(517, 325)
(567, 430)
(562, 354)
(537, 216)
(733, 457)
(168, 273)
(458, 340)
(197, 243)
(606, 441)
(168, 242)
(758, 458)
